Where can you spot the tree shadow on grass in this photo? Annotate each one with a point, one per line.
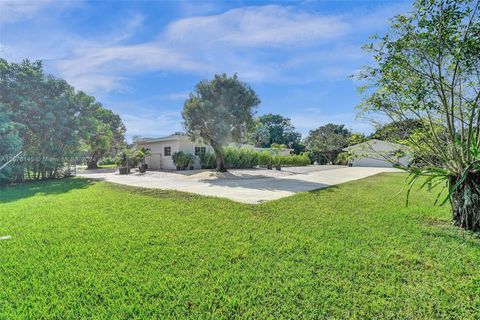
(450, 233)
(9, 193)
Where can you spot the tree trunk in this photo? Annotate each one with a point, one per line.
(92, 164)
(466, 203)
(220, 162)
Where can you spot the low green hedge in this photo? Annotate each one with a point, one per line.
(295, 160)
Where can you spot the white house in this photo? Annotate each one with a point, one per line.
(163, 148)
(378, 153)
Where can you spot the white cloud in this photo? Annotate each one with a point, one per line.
(206, 45)
(99, 68)
(127, 29)
(11, 11)
(276, 44)
(258, 26)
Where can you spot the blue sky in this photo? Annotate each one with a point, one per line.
(141, 58)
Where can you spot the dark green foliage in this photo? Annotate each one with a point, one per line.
(45, 116)
(48, 121)
(342, 158)
(239, 158)
(207, 160)
(183, 160)
(10, 145)
(106, 161)
(243, 158)
(100, 130)
(276, 129)
(294, 160)
(326, 142)
(426, 75)
(128, 157)
(397, 131)
(220, 111)
(142, 153)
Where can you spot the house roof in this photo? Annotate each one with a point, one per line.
(172, 137)
(371, 142)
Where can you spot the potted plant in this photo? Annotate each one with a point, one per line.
(183, 160)
(178, 159)
(275, 149)
(265, 159)
(278, 165)
(142, 153)
(190, 159)
(123, 162)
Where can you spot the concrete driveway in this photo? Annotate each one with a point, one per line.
(247, 185)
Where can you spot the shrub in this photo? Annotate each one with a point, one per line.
(342, 158)
(127, 157)
(183, 160)
(265, 158)
(240, 158)
(292, 160)
(106, 160)
(207, 160)
(243, 158)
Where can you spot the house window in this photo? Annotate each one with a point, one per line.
(200, 150)
(167, 151)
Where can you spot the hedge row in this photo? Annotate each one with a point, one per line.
(242, 158)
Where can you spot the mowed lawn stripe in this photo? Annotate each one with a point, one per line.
(92, 249)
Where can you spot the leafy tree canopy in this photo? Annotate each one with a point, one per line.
(397, 131)
(100, 129)
(427, 68)
(280, 129)
(220, 111)
(326, 142)
(45, 118)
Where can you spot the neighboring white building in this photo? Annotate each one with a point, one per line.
(378, 153)
(163, 148)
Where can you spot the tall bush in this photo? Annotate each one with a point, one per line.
(183, 160)
(207, 160)
(243, 158)
(239, 158)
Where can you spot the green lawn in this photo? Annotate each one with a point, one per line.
(96, 250)
(107, 166)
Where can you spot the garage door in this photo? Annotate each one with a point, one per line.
(153, 162)
(369, 162)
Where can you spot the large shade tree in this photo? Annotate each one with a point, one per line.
(326, 142)
(220, 111)
(280, 131)
(101, 130)
(10, 145)
(397, 131)
(48, 121)
(42, 109)
(427, 68)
